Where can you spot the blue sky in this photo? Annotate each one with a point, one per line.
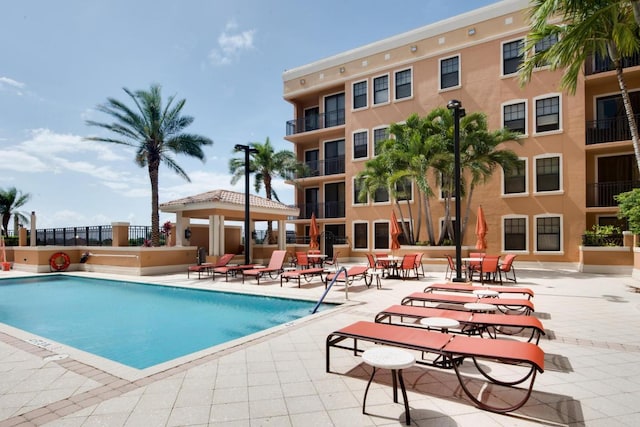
(60, 59)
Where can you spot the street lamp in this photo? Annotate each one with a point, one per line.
(458, 112)
(247, 151)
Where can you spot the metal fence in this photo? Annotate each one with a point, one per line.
(95, 235)
(602, 239)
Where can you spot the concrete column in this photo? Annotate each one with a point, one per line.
(178, 230)
(33, 229)
(120, 232)
(282, 235)
(213, 235)
(221, 235)
(22, 236)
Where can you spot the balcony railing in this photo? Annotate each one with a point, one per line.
(601, 194)
(332, 166)
(598, 64)
(602, 240)
(322, 210)
(98, 235)
(609, 130)
(315, 121)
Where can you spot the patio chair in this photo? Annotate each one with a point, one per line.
(273, 269)
(407, 266)
(453, 350)
(506, 267)
(474, 266)
(209, 267)
(419, 265)
(333, 261)
(451, 268)
(488, 269)
(375, 265)
(302, 260)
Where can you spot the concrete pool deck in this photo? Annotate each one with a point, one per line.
(592, 368)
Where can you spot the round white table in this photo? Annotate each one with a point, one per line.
(480, 307)
(394, 359)
(486, 293)
(442, 323)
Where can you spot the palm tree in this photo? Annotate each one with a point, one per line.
(11, 200)
(265, 163)
(156, 131)
(604, 28)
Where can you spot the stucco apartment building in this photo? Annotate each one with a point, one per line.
(576, 151)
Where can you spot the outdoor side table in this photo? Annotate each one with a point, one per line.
(377, 274)
(480, 307)
(442, 323)
(394, 359)
(486, 293)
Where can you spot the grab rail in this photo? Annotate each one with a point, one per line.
(326, 291)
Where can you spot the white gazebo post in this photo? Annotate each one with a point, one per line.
(214, 237)
(33, 229)
(180, 227)
(282, 235)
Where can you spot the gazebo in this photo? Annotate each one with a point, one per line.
(218, 206)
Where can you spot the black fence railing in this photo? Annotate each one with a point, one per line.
(601, 194)
(97, 235)
(331, 166)
(315, 122)
(598, 64)
(602, 240)
(322, 210)
(609, 130)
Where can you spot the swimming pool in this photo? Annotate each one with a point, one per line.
(139, 325)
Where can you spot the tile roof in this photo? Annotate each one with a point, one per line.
(226, 197)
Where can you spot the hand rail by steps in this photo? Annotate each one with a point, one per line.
(326, 291)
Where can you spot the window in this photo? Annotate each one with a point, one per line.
(381, 90)
(515, 181)
(360, 145)
(381, 195)
(334, 200)
(360, 95)
(548, 174)
(404, 189)
(334, 157)
(512, 56)
(381, 235)
(379, 135)
(360, 235)
(450, 72)
(311, 116)
(357, 187)
(515, 234)
(311, 202)
(548, 236)
(311, 162)
(334, 110)
(548, 114)
(544, 45)
(514, 117)
(403, 84)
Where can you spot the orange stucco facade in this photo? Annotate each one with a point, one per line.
(338, 107)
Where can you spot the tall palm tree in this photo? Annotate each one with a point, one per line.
(11, 200)
(604, 28)
(157, 132)
(265, 164)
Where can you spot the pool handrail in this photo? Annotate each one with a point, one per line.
(326, 291)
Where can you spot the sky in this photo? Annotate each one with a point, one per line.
(61, 59)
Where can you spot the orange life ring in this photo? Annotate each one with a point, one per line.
(55, 265)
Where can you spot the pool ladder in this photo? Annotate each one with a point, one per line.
(326, 291)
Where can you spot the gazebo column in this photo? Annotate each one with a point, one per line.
(214, 246)
(182, 223)
(282, 235)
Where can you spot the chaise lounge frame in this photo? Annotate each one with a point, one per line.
(461, 287)
(452, 348)
(306, 273)
(505, 305)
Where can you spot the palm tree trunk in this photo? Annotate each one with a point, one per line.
(155, 217)
(416, 234)
(467, 212)
(428, 221)
(269, 192)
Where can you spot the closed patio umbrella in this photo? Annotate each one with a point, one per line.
(481, 230)
(395, 232)
(313, 232)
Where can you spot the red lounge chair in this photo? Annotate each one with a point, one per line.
(454, 349)
(461, 287)
(506, 305)
(306, 273)
(273, 269)
(208, 267)
(471, 323)
(353, 273)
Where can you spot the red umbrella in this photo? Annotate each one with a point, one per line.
(395, 232)
(313, 232)
(481, 230)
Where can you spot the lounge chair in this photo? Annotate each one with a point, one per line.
(273, 269)
(208, 267)
(353, 273)
(306, 273)
(471, 323)
(232, 270)
(453, 349)
(461, 287)
(506, 305)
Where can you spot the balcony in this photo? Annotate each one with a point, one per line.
(322, 210)
(600, 194)
(597, 64)
(315, 122)
(332, 166)
(609, 130)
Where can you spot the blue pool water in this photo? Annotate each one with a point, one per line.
(138, 325)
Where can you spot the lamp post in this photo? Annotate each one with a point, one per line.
(458, 112)
(247, 151)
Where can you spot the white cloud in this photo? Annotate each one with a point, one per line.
(11, 84)
(231, 44)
